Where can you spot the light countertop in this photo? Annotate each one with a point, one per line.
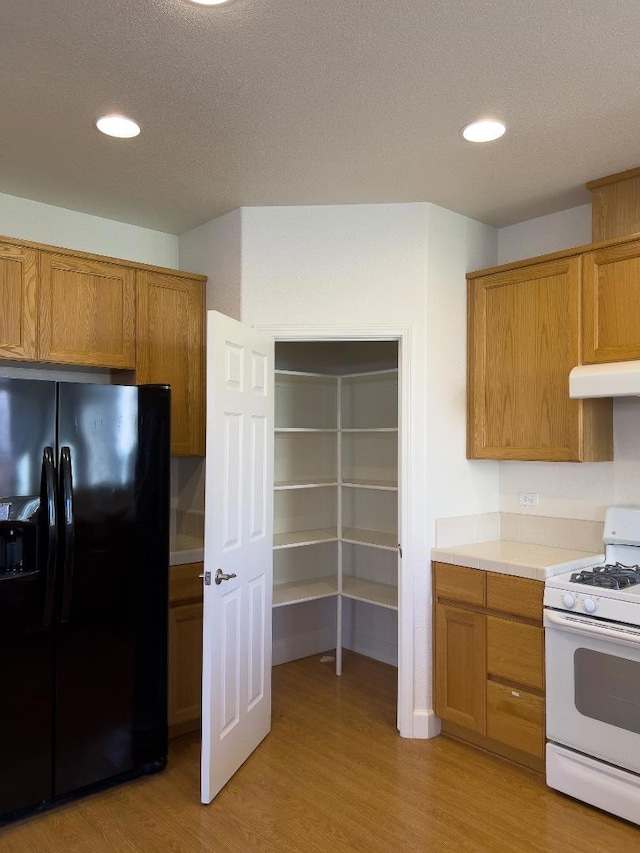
(185, 549)
(516, 558)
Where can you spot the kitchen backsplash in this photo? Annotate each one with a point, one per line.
(536, 529)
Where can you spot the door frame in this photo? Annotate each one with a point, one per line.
(401, 334)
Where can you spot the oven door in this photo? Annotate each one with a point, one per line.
(593, 687)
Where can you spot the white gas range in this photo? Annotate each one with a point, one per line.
(592, 634)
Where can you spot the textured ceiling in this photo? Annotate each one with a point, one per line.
(263, 102)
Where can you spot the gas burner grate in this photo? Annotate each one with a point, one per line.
(610, 576)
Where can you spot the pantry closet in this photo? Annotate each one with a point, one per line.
(336, 508)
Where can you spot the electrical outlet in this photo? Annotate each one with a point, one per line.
(528, 499)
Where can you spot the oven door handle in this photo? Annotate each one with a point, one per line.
(591, 628)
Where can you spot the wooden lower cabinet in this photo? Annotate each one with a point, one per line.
(185, 648)
(489, 661)
(460, 678)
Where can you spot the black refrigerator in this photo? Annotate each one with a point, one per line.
(84, 557)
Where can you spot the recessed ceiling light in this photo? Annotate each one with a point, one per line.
(120, 126)
(483, 131)
(209, 2)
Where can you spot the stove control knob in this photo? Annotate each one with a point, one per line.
(590, 605)
(569, 600)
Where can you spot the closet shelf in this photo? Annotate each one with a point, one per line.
(308, 590)
(299, 538)
(304, 484)
(375, 538)
(371, 429)
(309, 429)
(381, 594)
(385, 485)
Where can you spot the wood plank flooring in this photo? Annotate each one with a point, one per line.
(332, 776)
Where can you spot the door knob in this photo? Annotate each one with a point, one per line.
(221, 576)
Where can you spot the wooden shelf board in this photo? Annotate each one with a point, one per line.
(375, 538)
(381, 594)
(304, 537)
(385, 485)
(309, 590)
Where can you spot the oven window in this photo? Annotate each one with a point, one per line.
(607, 688)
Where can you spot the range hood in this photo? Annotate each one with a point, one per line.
(617, 379)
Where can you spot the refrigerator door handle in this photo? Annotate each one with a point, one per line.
(68, 532)
(48, 501)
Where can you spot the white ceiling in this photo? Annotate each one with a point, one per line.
(263, 102)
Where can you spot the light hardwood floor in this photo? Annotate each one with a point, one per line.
(333, 776)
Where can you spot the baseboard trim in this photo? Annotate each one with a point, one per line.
(425, 725)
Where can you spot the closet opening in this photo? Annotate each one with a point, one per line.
(336, 501)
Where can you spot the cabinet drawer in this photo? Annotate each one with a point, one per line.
(519, 596)
(459, 583)
(185, 585)
(515, 718)
(515, 652)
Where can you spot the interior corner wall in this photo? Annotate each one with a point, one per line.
(566, 489)
(215, 250)
(56, 226)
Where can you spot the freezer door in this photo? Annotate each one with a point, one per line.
(107, 513)
(27, 426)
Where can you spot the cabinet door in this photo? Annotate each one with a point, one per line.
(18, 324)
(611, 304)
(524, 338)
(185, 667)
(87, 312)
(171, 350)
(460, 667)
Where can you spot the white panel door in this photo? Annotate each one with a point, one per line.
(236, 669)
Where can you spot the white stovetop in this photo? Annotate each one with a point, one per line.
(522, 559)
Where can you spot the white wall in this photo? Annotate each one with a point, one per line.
(215, 249)
(43, 223)
(566, 489)
(545, 234)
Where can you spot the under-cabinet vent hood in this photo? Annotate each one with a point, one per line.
(618, 379)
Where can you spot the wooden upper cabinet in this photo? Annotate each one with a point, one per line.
(18, 317)
(87, 312)
(170, 338)
(524, 338)
(611, 303)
